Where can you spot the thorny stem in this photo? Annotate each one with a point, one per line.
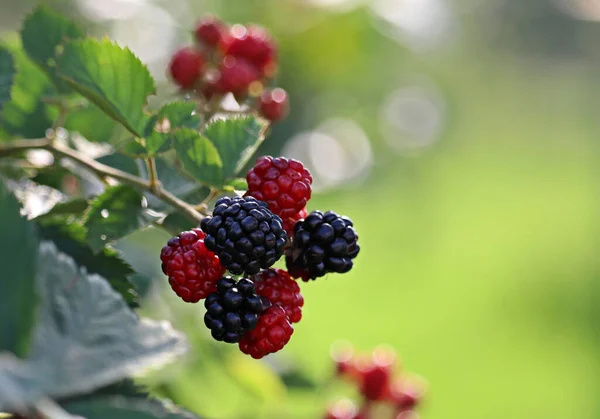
(101, 170)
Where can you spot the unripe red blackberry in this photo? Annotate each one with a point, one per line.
(233, 310)
(186, 67)
(236, 75)
(252, 43)
(244, 234)
(290, 222)
(210, 31)
(274, 104)
(375, 382)
(405, 395)
(193, 270)
(277, 287)
(271, 334)
(322, 243)
(285, 185)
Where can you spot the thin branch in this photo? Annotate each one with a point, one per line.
(101, 170)
(152, 174)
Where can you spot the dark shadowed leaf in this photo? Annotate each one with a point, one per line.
(7, 75)
(18, 253)
(116, 407)
(114, 214)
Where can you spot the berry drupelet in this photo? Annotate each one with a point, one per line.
(274, 104)
(277, 287)
(193, 270)
(323, 242)
(245, 235)
(233, 310)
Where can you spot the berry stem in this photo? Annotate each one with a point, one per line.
(102, 170)
(152, 175)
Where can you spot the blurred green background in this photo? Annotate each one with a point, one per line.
(462, 137)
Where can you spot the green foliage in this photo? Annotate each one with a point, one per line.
(7, 75)
(114, 214)
(62, 228)
(18, 248)
(170, 117)
(110, 76)
(85, 338)
(43, 31)
(25, 114)
(92, 123)
(236, 141)
(118, 407)
(199, 156)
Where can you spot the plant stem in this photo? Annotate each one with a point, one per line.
(152, 175)
(102, 171)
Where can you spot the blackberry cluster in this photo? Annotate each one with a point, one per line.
(323, 242)
(233, 310)
(277, 286)
(244, 234)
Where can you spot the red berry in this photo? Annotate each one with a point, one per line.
(343, 409)
(290, 222)
(193, 270)
(271, 334)
(274, 104)
(285, 185)
(186, 67)
(236, 74)
(375, 382)
(210, 31)
(405, 395)
(277, 286)
(252, 43)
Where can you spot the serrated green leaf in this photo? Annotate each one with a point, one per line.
(7, 75)
(61, 227)
(170, 117)
(199, 156)
(114, 214)
(73, 206)
(236, 140)
(85, 338)
(110, 76)
(238, 184)
(18, 249)
(43, 31)
(125, 408)
(25, 114)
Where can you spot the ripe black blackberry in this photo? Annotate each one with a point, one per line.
(244, 234)
(322, 243)
(233, 310)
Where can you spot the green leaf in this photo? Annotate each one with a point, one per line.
(134, 149)
(237, 184)
(177, 222)
(114, 214)
(25, 114)
(125, 408)
(73, 206)
(236, 140)
(199, 156)
(92, 123)
(62, 228)
(43, 31)
(86, 338)
(121, 162)
(170, 117)
(7, 75)
(18, 249)
(110, 76)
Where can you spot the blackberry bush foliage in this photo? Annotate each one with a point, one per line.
(176, 167)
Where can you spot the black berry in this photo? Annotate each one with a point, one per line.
(233, 310)
(245, 235)
(322, 243)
